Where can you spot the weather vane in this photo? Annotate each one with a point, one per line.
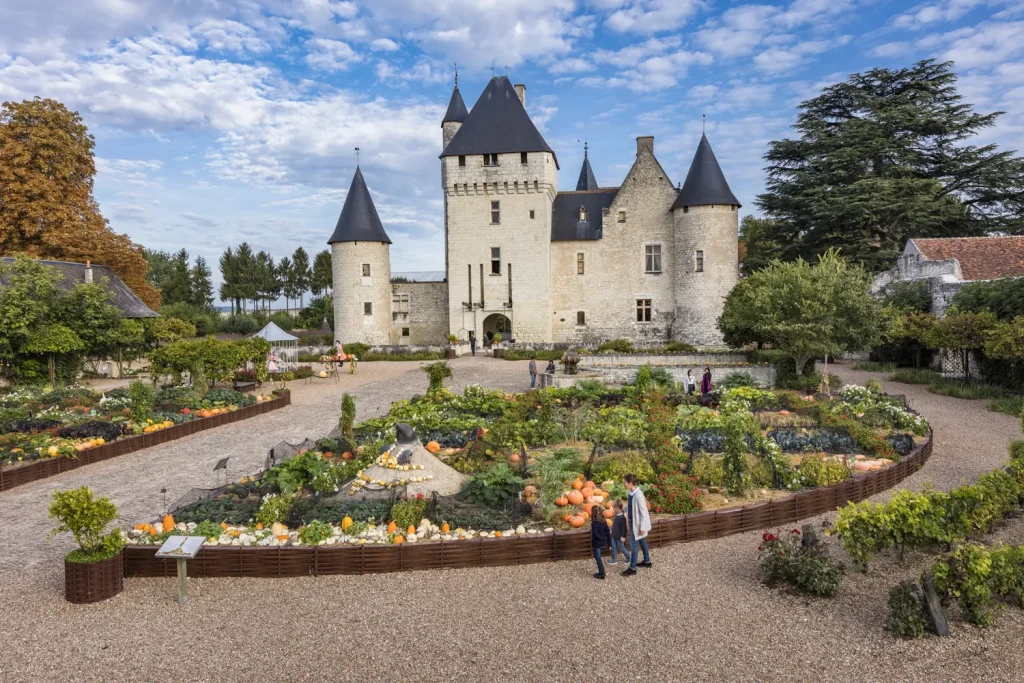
(703, 123)
(456, 75)
(357, 156)
(506, 69)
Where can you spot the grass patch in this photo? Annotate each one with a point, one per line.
(874, 366)
(973, 391)
(1011, 405)
(915, 376)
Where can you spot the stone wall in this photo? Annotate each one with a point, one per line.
(352, 291)
(427, 315)
(622, 368)
(525, 242)
(700, 295)
(615, 274)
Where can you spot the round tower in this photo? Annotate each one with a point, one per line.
(361, 260)
(706, 249)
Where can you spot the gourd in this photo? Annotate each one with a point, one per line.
(588, 508)
(515, 459)
(346, 523)
(577, 521)
(575, 497)
(398, 539)
(347, 455)
(391, 527)
(561, 501)
(283, 537)
(445, 528)
(497, 534)
(433, 446)
(168, 522)
(530, 490)
(609, 513)
(566, 517)
(577, 484)
(411, 530)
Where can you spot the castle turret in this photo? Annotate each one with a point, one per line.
(455, 115)
(587, 180)
(360, 252)
(706, 221)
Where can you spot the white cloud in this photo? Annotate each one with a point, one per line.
(652, 16)
(891, 49)
(225, 35)
(779, 60)
(384, 45)
(571, 65)
(329, 55)
(927, 14)
(633, 54)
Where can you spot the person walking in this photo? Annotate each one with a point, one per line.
(600, 538)
(533, 372)
(619, 533)
(705, 382)
(691, 383)
(638, 522)
(472, 343)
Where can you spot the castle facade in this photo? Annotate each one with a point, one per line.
(645, 261)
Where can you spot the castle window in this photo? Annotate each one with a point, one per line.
(495, 213)
(581, 318)
(579, 263)
(400, 303)
(490, 160)
(643, 310)
(652, 259)
(531, 213)
(405, 331)
(700, 261)
(622, 217)
(686, 209)
(583, 214)
(536, 186)
(522, 157)
(367, 308)
(495, 260)
(462, 160)
(366, 270)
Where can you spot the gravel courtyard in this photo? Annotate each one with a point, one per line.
(698, 614)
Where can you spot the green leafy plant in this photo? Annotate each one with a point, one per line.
(615, 467)
(407, 513)
(675, 493)
(814, 472)
(86, 518)
(207, 529)
(498, 487)
(348, 416)
(907, 616)
(737, 379)
(555, 471)
(783, 558)
(437, 373)
(141, 396)
(315, 532)
(275, 508)
(616, 346)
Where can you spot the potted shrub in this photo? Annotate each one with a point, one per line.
(453, 341)
(496, 345)
(94, 570)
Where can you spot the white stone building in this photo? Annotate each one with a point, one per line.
(645, 261)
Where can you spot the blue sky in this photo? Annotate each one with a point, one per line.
(218, 121)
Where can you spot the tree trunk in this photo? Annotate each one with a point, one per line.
(800, 362)
(53, 371)
(120, 364)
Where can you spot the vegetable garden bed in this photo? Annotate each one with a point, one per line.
(526, 548)
(24, 473)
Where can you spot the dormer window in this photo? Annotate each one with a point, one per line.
(583, 214)
(522, 158)
(462, 160)
(490, 160)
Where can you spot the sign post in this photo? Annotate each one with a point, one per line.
(182, 549)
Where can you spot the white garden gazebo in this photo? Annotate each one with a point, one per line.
(283, 346)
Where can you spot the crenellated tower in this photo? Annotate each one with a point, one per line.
(360, 254)
(706, 222)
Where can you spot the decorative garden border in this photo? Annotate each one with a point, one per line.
(291, 561)
(50, 467)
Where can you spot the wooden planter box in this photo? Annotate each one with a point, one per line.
(86, 582)
(449, 353)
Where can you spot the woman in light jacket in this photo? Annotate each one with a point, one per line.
(638, 521)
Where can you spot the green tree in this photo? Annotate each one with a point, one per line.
(909, 296)
(245, 274)
(284, 278)
(229, 281)
(301, 274)
(178, 287)
(266, 286)
(885, 156)
(909, 328)
(1003, 297)
(1006, 340)
(160, 268)
(320, 308)
(126, 343)
(805, 310)
(52, 340)
(167, 330)
(961, 332)
(201, 285)
(760, 247)
(322, 279)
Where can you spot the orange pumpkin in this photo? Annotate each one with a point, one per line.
(391, 527)
(587, 508)
(328, 455)
(577, 521)
(398, 539)
(783, 412)
(590, 485)
(445, 528)
(577, 484)
(347, 455)
(575, 497)
(168, 522)
(141, 527)
(497, 534)
(561, 501)
(259, 526)
(566, 517)
(410, 530)
(234, 533)
(223, 525)
(609, 513)
(433, 446)
(530, 490)
(283, 537)
(515, 459)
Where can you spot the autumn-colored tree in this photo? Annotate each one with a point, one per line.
(47, 208)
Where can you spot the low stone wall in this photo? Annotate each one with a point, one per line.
(622, 368)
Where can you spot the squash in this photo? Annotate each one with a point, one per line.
(587, 509)
(515, 459)
(577, 521)
(328, 455)
(561, 501)
(577, 484)
(462, 538)
(575, 497)
(783, 412)
(346, 523)
(391, 527)
(283, 537)
(347, 455)
(497, 534)
(590, 485)
(398, 539)
(445, 528)
(411, 530)
(259, 526)
(223, 525)
(234, 533)
(609, 513)
(433, 446)
(530, 489)
(566, 517)
(595, 499)
(141, 527)
(168, 522)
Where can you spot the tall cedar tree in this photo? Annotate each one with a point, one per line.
(301, 274)
(881, 158)
(323, 273)
(178, 287)
(284, 278)
(229, 280)
(201, 291)
(47, 209)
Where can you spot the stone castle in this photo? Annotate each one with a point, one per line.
(645, 261)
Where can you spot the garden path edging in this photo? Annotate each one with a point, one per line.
(294, 561)
(11, 477)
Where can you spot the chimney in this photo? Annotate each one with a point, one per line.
(521, 92)
(645, 141)
(88, 271)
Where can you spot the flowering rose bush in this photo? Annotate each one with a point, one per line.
(675, 494)
(784, 559)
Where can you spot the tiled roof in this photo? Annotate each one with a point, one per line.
(705, 184)
(121, 296)
(980, 258)
(359, 221)
(456, 108)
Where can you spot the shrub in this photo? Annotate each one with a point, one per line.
(498, 487)
(399, 355)
(347, 417)
(407, 513)
(784, 559)
(615, 467)
(814, 472)
(707, 471)
(914, 376)
(275, 508)
(679, 347)
(108, 431)
(86, 518)
(616, 346)
(141, 396)
(675, 493)
(542, 354)
(27, 425)
(1011, 405)
(555, 471)
(907, 616)
(874, 366)
(437, 373)
(737, 379)
(315, 532)
(240, 324)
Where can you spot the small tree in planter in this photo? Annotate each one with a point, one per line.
(437, 372)
(348, 416)
(453, 342)
(93, 571)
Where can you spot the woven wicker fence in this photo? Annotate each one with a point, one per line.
(16, 475)
(232, 561)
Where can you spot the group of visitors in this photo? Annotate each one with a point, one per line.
(705, 383)
(633, 523)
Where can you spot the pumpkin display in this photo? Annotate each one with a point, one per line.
(398, 539)
(346, 523)
(445, 528)
(588, 509)
(497, 534)
(168, 522)
(577, 485)
(589, 485)
(515, 458)
(596, 499)
(347, 455)
(561, 501)
(575, 497)
(410, 531)
(609, 513)
(577, 521)
(433, 446)
(566, 517)
(391, 527)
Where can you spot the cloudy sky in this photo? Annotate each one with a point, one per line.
(218, 121)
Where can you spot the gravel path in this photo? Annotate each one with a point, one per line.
(699, 614)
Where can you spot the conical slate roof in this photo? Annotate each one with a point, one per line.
(587, 180)
(497, 124)
(456, 108)
(705, 184)
(359, 221)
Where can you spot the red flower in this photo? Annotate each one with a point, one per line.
(759, 548)
(771, 537)
(419, 496)
(795, 531)
(764, 536)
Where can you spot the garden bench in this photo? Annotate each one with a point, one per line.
(244, 386)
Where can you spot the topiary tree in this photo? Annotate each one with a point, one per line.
(961, 332)
(348, 416)
(437, 373)
(86, 518)
(51, 340)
